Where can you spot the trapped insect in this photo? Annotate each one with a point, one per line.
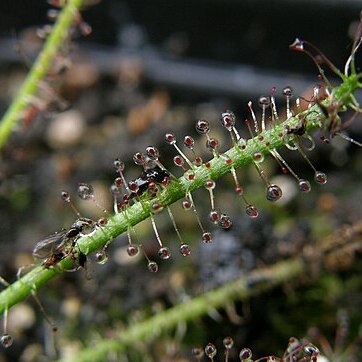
(57, 246)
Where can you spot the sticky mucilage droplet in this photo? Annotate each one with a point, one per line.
(210, 350)
(274, 193)
(85, 191)
(185, 249)
(101, 257)
(6, 340)
(245, 355)
(152, 266)
(132, 250)
(164, 253)
(320, 177)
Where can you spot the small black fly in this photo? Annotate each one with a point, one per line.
(57, 246)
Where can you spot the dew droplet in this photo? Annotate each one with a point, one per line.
(228, 342)
(118, 165)
(304, 185)
(118, 182)
(164, 253)
(178, 161)
(202, 126)
(242, 143)
(225, 221)
(210, 184)
(85, 191)
(274, 193)
(258, 157)
(214, 216)
(153, 153)
(206, 237)
(139, 158)
(115, 191)
(252, 211)
(186, 204)
(133, 186)
(156, 208)
(320, 177)
(212, 144)
(170, 138)
(228, 120)
(152, 266)
(185, 249)
(198, 161)
(288, 91)
(189, 142)
(264, 102)
(245, 354)
(126, 199)
(210, 350)
(102, 221)
(6, 340)
(132, 250)
(65, 196)
(197, 352)
(228, 160)
(101, 257)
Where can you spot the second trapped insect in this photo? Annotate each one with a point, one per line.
(142, 183)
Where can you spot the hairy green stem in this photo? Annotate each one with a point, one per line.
(254, 283)
(40, 69)
(176, 190)
(243, 288)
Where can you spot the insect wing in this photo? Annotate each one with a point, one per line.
(48, 246)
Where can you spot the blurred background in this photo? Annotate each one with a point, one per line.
(149, 67)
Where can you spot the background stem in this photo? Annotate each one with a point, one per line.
(40, 69)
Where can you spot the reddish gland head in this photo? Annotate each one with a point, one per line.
(189, 142)
(170, 138)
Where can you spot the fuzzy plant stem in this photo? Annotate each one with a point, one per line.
(176, 190)
(40, 69)
(253, 284)
(348, 239)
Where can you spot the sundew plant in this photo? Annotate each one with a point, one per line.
(148, 219)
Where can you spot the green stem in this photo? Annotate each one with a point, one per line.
(243, 288)
(254, 283)
(41, 68)
(119, 223)
(176, 190)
